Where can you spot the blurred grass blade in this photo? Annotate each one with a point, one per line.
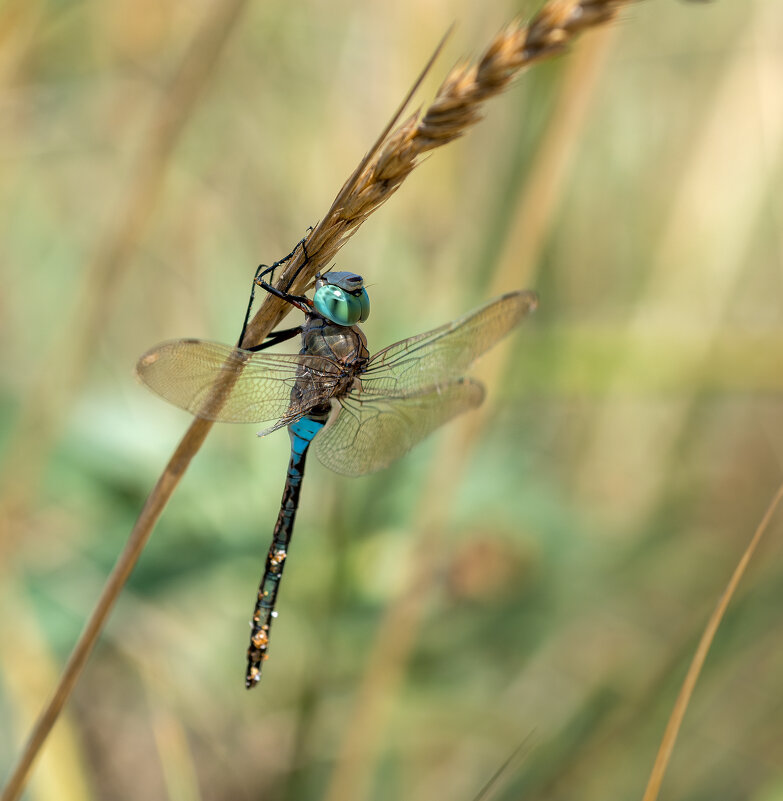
(692, 676)
(28, 669)
(492, 782)
(323, 242)
(395, 635)
(457, 106)
(34, 435)
(177, 761)
(709, 236)
(137, 539)
(50, 395)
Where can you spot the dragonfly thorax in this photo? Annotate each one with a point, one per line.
(341, 298)
(345, 345)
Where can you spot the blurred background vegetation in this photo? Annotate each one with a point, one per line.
(537, 574)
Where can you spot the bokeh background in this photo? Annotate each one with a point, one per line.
(533, 580)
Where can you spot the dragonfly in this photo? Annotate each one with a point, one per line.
(359, 412)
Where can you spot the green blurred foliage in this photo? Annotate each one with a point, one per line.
(632, 443)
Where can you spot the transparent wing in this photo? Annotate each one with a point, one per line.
(439, 356)
(370, 433)
(218, 382)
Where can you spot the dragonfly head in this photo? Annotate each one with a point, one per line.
(341, 298)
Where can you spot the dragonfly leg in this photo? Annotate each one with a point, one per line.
(303, 243)
(300, 244)
(264, 270)
(258, 280)
(276, 337)
(298, 301)
(261, 274)
(250, 303)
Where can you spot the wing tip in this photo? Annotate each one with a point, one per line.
(478, 390)
(527, 300)
(150, 358)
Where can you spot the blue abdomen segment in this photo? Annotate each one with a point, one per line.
(301, 433)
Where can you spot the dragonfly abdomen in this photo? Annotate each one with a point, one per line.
(301, 433)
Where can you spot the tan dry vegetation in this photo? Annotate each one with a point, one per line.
(457, 106)
(631, 442)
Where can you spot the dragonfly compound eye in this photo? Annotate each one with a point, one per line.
(341, 307)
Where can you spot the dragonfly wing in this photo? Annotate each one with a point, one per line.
(370, 433)
(439, 356)
(218, 382)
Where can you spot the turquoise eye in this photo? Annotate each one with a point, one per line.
(341, 307)
(364, 300)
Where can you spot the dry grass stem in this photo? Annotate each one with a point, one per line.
(47, 399)
(457, 106)
(139, 535)
(396, 153)
(714, 234)
(396, 635)
(540, 196)
(32, 440)
(697, 663)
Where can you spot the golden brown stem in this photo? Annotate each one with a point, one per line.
(43, 405)
(457, 106)
(39, 425)
(139, 535)
(396, 635)
(392, 158)
(697, 663)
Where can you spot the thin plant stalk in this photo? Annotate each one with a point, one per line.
(39, 424)
(697, 663)
(396, 634)
(139, 535)
(689, 235)
(539, 200)
(393, 157)
(151, 511)
(47, 398)
(457, 106)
